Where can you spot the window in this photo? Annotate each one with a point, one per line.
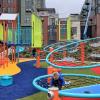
(10, 1)
(98, 1)
(28, 5)
(98, 10)
(10, 10)
(74, 30)
(27, 20)
(53, 20)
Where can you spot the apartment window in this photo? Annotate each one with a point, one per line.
(27, 20)
(74, 30)
(10, 10)
(98, 9)
(98, 1)
(10, 1)
(53, 20)
(28, 5)
(38, 3)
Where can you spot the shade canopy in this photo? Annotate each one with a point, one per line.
(6, 17)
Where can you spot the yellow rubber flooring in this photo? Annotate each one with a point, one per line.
(12, 68)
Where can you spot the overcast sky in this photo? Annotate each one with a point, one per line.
(65, 7)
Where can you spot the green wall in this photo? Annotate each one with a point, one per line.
(1, 32)
(36, 32)
(9, 34)
(69, 28)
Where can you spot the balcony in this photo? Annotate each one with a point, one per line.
(28, 10)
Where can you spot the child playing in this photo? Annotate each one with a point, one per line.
(57, 80)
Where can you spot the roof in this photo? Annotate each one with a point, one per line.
(52, 10)
(6, 16)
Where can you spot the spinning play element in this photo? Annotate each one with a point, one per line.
(6, 80)
(76, 93)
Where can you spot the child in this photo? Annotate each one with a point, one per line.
(34, 52)
(57, 80)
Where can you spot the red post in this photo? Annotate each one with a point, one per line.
(49, 71)
(4, 40)
(13, 39)
(82, 49)
(64, 54)
(52, 56)
(38, 58)
(6, 55)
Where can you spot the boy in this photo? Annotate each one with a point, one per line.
(57, 80)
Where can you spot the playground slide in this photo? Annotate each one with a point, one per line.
(18, 50)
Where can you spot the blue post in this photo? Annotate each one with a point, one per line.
(18, 35)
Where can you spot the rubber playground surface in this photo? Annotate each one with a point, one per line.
(22, 86)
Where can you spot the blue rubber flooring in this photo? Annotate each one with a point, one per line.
(22, 86)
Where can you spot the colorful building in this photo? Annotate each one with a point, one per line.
(69, 28)
(50, 22)
(36, 31)
(75, 26)
(9, 6)
(62, 29)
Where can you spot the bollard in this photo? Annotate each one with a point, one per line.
(53, 94)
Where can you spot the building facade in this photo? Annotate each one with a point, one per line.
(94, 18)
(40, 4)
(75, 24)
(9, 6)
(24, 7)
(50, 20)
(62, 29)
(27, 8)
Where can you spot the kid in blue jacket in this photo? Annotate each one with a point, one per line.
(57, 80)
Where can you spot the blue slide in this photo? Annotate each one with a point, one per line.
(19, 49)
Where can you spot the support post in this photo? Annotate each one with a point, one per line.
(82, 49)
(13, 39)
(52, 56)
(64, 54)
(38, 58)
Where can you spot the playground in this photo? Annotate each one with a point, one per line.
(26, 66)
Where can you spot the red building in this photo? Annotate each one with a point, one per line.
(50, 20)
(9, 6)
(96, 25)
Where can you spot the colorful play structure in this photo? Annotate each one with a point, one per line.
(11, 44)
(81, 51)
(71, 55)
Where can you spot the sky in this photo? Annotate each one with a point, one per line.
(65, 7)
